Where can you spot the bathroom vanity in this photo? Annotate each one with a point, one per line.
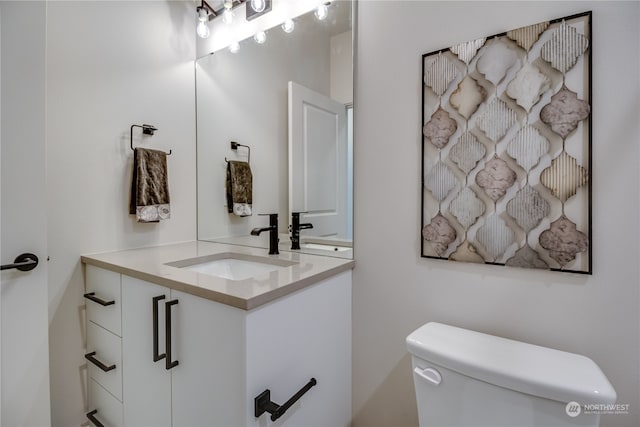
(192, 334)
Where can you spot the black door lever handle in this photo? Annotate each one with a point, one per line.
(23, 262)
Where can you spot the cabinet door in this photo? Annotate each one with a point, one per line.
(298, 337)
(209, 381)
(146, 384)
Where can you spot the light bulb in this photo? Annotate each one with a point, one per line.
(228, 4)
(258, 5)
(321, 12)
(288, 26)
(260, 37)
(203, 30)
(234, 47)
(227, 16)
(203, 14)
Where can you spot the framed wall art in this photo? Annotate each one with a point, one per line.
(506, 148)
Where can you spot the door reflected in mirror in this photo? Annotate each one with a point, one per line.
(289, 100)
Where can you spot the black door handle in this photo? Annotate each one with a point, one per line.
(93, 419)
(90, 357)
(167, 340)
(91, 296)
(23, 262)
(156, 355)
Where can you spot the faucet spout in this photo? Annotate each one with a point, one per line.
(273, 233)
(257, 231)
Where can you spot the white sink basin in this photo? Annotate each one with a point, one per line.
(232, 266)
(318, 246)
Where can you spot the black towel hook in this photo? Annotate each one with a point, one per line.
(146, 130)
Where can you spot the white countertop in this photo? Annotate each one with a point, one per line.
(149, 264)
(284, 244)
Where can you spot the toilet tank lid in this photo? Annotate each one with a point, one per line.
(527, 368)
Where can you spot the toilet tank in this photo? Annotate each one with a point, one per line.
(464, 378)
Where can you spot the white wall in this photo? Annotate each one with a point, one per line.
(110, 64)
(342, 67)
(396, 291)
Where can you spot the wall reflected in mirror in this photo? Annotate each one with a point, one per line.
(290, 100)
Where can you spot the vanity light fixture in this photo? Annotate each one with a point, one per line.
(205, 14)
(227, 16)
(256, 8)
(258, 5)
(234, 47)
(260, 37)
(288, 26)
(322, 11)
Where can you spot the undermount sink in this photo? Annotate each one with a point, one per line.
(318, 246)
(232, 266)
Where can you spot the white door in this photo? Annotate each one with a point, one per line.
(24, 348)
(318, 161)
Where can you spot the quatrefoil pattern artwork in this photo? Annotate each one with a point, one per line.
(440, 74)
(440, 128)
(564, 48)
(565, 112)
(506, 148)
(467, 51)
(467, 152)
(526, 37)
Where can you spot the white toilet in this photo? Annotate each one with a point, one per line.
(466, 379)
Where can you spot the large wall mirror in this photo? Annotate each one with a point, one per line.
(290, 101)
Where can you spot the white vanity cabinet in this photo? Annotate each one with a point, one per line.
(222, 357)
(205, 345)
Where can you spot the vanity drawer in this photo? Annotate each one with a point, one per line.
(104, 348)
(103, 297)
(103, 407)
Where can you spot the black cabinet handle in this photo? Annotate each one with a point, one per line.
(263, 403)
(167, 340)
(23, 262)
(156, 355)
(93, 419)
(90, 357)
(91, 296)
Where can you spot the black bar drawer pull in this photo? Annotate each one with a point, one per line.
(156, 355)
(90, 357)
(263, 403)
(91, 296)
(167, 307)
(23, 262)
(93, 419)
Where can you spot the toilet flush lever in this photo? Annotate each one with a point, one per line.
(429, 374)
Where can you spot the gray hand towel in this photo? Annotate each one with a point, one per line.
(239, 188)
(149, 186)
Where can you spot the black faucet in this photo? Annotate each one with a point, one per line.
(295, 229)
(273, 233)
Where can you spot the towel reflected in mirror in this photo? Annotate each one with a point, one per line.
(239, 188)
